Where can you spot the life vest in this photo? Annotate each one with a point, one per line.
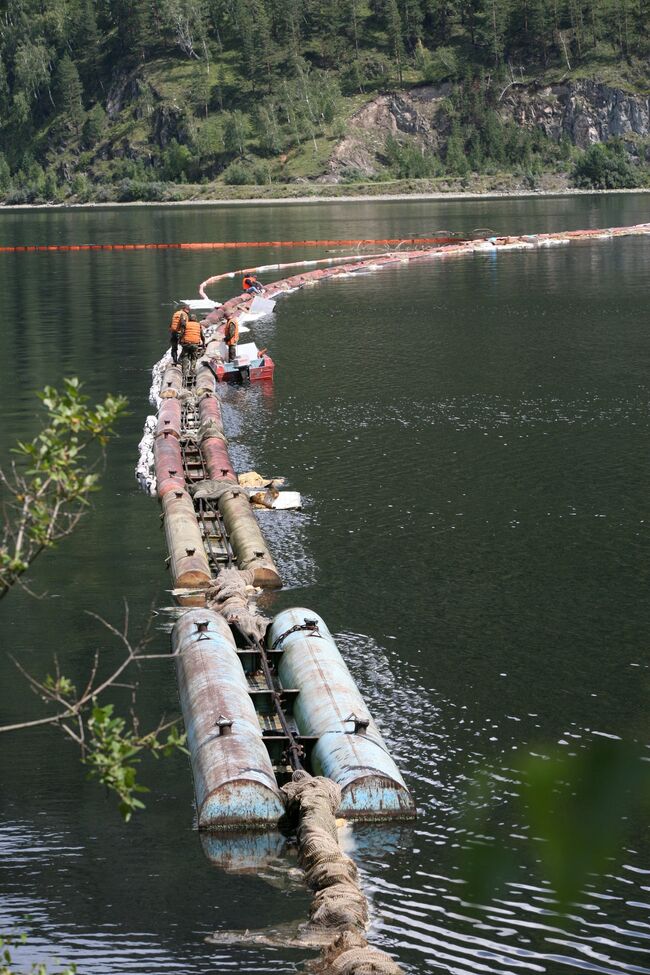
(178, 319)
(249, 282)
(231, 333)
(192, 333)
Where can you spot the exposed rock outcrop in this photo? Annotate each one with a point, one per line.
(582, 111)
(125, 89)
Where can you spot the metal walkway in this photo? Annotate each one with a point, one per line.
(287, 749)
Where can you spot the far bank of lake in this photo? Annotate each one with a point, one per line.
(502, 186)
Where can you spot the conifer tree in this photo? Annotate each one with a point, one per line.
(69, 92)
(394, 28)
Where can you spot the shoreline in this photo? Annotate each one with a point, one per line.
(436, 197)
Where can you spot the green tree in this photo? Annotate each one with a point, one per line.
(51, 189)
(267, 128)
(455, 158)
(5, 174)
(439, 65)
(32, 68)
(94, 127)
(606, 167)
(236, 126)
(257, 42)
(492, 28)
(187, 21)
(135, 32)
(70, 92)
(412, 19)
(394, 28)
(200, 91)
(176, 160)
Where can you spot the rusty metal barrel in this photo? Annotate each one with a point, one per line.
(172, 382)
(247, 541)
(217, 459)
(234, 782)
(188, 561)
(168, 463)
(169, 418)
(205, 379)
(210, 416)
(210, 411)
(350, 749)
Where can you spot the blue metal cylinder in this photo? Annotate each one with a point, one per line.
(233, 777)
(351, 752)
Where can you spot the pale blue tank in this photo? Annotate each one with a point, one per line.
(350, 749)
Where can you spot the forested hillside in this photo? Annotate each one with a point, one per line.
(137, 99)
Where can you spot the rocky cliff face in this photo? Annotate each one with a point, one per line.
(582, 111)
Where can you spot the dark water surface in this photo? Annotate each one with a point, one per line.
(471, 437)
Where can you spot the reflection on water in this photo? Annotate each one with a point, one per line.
(470, 439)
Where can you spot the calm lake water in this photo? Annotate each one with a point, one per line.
(471, 437)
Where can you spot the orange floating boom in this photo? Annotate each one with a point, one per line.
(223, 245)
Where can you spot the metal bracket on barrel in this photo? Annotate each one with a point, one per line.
(360, 724)
(310, 625)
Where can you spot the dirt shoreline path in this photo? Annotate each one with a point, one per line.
(352, 198)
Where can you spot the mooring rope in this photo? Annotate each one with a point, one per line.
(338, 915)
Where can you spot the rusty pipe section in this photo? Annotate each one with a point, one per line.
(210, 416)
(350, 749)
(217, 459)
(172, 382)
(234, 782)
(187, 559)
(246, 539)
(205, 379)
(169, 418)
(168, 463)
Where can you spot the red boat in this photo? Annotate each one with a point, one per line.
(251, 364)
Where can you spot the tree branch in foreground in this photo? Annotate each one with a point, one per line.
(110, 747)
(47, 487)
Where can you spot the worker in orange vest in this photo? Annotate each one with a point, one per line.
(252, 285)
(191, 335)
(231, 336)
(178, 322)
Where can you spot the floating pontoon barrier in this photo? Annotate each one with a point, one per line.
(350, 749)
(445, 247)
(210, 415)
(168, 463)
(205, 379)
(247, 541)
(217, 459)
(350, 242)
(172, 382)
(233, 777)
(187, 559)
(169, 419)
